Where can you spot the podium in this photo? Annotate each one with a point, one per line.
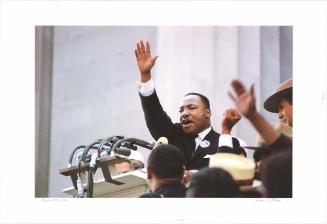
(126, 185)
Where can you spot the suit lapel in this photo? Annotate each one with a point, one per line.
(201, 151)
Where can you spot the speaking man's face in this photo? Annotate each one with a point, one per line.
(194, 116)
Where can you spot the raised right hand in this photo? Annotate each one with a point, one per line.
(144, 60)
(230, 118)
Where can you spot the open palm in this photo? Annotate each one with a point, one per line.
(144, 59)
(245, 102)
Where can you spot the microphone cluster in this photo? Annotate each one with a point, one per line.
(110, 146)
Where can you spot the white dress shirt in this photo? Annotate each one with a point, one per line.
(146, 88)
(224, 140)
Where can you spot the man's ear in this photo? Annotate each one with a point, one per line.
(149, 173)
(208, 113)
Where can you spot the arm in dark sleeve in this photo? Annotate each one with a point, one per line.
(282, 143)
(157, 121)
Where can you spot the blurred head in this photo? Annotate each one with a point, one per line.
(137, 160)
(125, 164)
(166, 162)
(195, 113)
(212, 183)
(121, 165)
(277, 174)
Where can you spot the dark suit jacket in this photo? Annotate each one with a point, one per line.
(172, 190)
(160, 125)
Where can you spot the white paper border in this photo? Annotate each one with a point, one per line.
(18, 20)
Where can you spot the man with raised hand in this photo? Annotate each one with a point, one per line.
(194, 135)
(245, 103)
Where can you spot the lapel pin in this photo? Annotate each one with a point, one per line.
(205, 144)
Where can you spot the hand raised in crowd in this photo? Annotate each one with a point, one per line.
(245, 102)
(144, 60)
(230, 118)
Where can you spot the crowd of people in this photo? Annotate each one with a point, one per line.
(200, 162)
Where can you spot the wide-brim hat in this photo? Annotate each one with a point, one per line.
(240, 168)
(282, 90)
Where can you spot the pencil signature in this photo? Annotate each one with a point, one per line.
(267, 200)
(54, 199)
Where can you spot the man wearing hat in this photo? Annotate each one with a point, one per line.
(242, 171)
(281, 102)
(245, 103)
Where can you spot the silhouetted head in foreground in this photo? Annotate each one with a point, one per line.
(213, 183)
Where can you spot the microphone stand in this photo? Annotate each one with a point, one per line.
(92, 165)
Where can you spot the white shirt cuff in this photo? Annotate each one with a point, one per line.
(146, 88)
(225, 140)
(194, 171)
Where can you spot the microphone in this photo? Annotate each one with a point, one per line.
(160, 141)
(124, 151)
(130, 143)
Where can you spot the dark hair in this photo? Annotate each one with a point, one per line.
(167, 161)
(277, 174)
(203, 98)
(213, 183)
